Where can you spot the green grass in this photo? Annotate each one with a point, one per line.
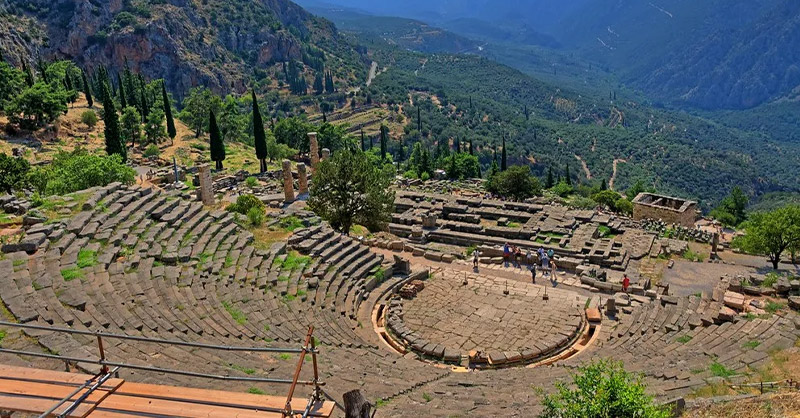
(684, 339)
(245, 370)
(290, 223)
(235, 313)
(294, 260)
(381, 403)
(228, 262)
(2, 335)
(693, 256)
(719, 370)
(512, 225)
(256, 391)
(471, 249)
(36, 286)
(751, 344)
(603, 231)
(773, 307)
(427, 397)
(203, 257)
(284, 356)
(157, 263)
(770, 279)
(19, 262)
(72, 273)
(380, 275)
(87, 258)
(266, 327)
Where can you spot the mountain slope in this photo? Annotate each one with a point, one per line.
(710, 54)
(219, 44)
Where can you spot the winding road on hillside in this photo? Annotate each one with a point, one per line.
(614, 174)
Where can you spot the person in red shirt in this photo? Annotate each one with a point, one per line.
(625, 283)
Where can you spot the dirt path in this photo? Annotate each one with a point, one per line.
(373, 71)
(614, 174)
(585, 167)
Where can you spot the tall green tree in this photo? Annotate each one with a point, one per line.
(196, 107)
(771, 233)
(87, 89)
(114, 143)
(217, 146)
(123, 102)
(348, 190)
(12, 81)
(131, 126)
(28, 74)
(567, 177)
(171, 131)
(731, 210)
(38, 105)
(471, 152)
(154, 127)
(384, 141)
(259, 134)
(363, 145)
(550, 182)
(504, 158)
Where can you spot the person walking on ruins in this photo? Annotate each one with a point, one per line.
(625, 283)
(533, 273)
(529, 260)
(545, 265)
(506, 253)
(475, 255)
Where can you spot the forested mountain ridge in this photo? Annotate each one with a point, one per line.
(711, 54)
(224, 45)
(676, 152)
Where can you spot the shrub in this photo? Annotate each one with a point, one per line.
(244, 203)
(78, 170)
(516, 182)
(580, 202)
(251, 182)
(410, 174)
(562, 189)
(602, 388)
(255, 216)
(151, 151)
(89, 118)
(13, 173)
(624, 206)
(425, 176)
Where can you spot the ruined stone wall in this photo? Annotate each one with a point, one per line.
(670, 216)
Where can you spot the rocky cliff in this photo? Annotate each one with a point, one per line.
(221, 44)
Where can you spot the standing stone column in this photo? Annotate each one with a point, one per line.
(326, 153)
(302, 178)
(314, 149)
(288, 182)
(205, 192)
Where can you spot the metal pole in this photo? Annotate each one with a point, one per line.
(86, 394)
(47, 413)
(288, 409)
(104, 369)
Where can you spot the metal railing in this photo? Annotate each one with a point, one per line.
(308, 347)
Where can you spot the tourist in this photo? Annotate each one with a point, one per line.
(545, 266)
(517, 256)
(529, 259)
(533, 273)
(475, 255)
(625, 283)
(506, 253)
(550, 253)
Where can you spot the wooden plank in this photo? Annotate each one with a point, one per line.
(322, 409)
(123, 403)
(51, 393)
(55, 377)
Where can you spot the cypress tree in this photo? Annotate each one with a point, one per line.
(42, 70)
(504, 157)
(603, 184)
(122, 100)
(458, 146)
(171, 131)
(319, 88)
(87, 89)
(259, 134)
(145, 105)
(383, 142)
(452, 171)
(401, 155)
(549, 182)
(28, 74)
(114, 144)
(567, 177)
(470, 147)
(419, 121)
(217, 146)
(363, 145)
